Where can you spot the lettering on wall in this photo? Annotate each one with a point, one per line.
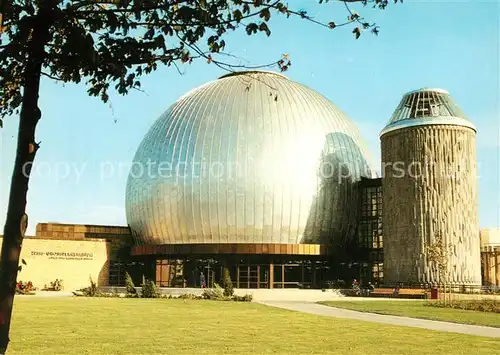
(64, 255)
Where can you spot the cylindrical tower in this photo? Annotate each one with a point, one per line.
(431, 231)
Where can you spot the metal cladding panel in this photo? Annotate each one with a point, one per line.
(248, 158)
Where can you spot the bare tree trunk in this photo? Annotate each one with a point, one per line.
(1, 15)
(17, 220)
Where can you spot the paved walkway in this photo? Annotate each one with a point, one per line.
(321, 310)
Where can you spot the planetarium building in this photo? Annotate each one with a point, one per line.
(252, 173)
(262, 178)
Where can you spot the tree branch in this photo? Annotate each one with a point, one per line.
(53, 77)
(138, 89)
(218, 23)
(223, 65)
(178, 69)
(118, 2)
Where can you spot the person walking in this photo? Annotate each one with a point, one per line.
(202, 280)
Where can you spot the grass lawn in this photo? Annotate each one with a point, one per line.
(148, 326)
(419, 309)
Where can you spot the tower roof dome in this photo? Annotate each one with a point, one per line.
(427, 106)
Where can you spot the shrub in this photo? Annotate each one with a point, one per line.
(91, 291)
(108, 295)
(129, 286)
(93, 288)
(216, 293)
(492, 291)
(25, 288)
(149, 289)
(471, 305)
(56, 285)
(188, 296)
(228, 284)
(246, 298)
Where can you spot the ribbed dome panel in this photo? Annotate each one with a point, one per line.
(238, 160)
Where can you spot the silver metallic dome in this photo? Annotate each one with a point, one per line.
(426, 107)
(248, 158)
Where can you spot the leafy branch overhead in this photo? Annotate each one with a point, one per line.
(115, 42)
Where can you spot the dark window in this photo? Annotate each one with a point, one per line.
(116, 273)
(370, 227)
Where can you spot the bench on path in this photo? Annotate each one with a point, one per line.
(382, 292)
(412, 293)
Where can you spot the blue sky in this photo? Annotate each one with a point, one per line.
(449, 44)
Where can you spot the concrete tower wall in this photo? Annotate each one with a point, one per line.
(430, 193)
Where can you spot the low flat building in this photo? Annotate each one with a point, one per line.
(490, 256)
(71, 253)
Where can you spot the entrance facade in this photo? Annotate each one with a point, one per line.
(252, 266)
(244, 273)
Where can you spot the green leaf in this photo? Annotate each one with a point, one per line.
(200, 31)
(237, 15)
(149, 34)
(263, 27)
(252, 28)
(265, 14)
(168, 30)
(357, 32)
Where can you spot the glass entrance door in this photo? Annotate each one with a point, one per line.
(253, 276)
(210, 276)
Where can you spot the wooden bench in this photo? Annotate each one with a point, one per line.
(412, 293)
(382, 292)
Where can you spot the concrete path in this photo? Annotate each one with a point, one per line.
(321, 310)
